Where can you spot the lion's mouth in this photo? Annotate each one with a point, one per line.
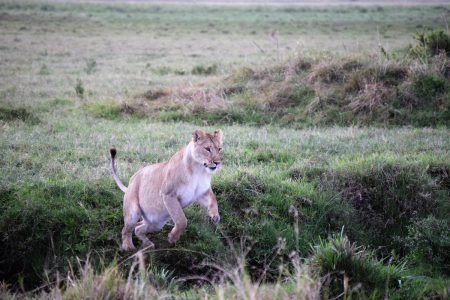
(212, 168)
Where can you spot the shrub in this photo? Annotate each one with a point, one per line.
(427, 87)
(433, 42)
(429, 240)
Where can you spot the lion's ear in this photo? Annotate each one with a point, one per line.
(197, 135)
(218, 135)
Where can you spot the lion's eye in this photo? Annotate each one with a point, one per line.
(208, 149)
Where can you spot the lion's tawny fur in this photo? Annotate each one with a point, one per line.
(159, 192)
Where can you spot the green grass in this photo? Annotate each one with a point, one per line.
(66, 198)
(305, 210)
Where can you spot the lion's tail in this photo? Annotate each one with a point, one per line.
(119, 183)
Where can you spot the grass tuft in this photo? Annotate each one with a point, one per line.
(204, 70)
(351, 270)
(8, 114)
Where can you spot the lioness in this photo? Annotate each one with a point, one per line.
(160, 191)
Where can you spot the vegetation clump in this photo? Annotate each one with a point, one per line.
(352, 270)
(431, 42)
(388, 199)
(8, 113)
(79, 89)
(204, 70)
(308, 92)
(429, 242)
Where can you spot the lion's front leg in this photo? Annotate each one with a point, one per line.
(176, 213)
(209, 201)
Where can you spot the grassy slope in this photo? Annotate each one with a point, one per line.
(57, 198)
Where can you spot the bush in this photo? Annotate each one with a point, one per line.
(429, 240)
(433, 42)
(428, 87)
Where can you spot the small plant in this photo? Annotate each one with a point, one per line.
(44, 70)
(79, 89)
(91, 66)
(204, 70)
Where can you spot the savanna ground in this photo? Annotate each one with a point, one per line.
(337, 148)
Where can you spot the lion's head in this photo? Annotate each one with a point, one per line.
(208, 149)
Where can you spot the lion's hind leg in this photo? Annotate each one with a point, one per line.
(141, 230)
(131, 214)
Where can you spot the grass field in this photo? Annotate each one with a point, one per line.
(337, 149)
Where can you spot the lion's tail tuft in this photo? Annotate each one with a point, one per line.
(119, 183)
